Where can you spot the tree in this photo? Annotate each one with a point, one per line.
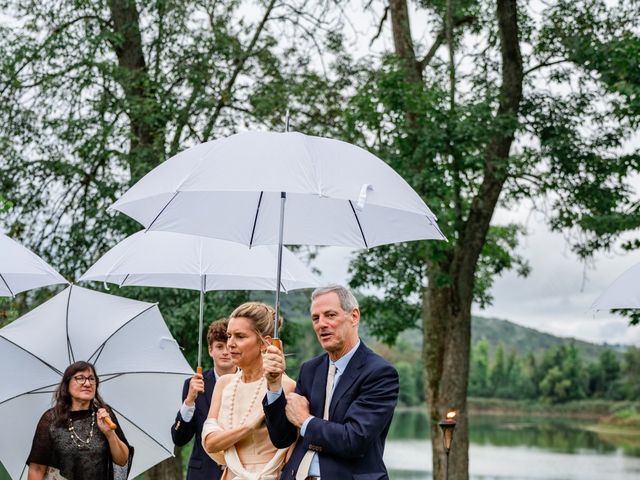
(95, 94)
(498, 376)
(479, 370)
(631, 366)
(408, 394)
(476, 128)
(604, 376)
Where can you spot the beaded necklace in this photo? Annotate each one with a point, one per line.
(75, 438)
(251, 405)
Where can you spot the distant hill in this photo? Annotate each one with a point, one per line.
(525, 340)
(513, 337)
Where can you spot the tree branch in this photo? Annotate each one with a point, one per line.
(56, 31)
(440, 38)
(226, 92)
(380, 25)
(544, 64)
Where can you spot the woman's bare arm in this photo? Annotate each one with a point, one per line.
(36, 471)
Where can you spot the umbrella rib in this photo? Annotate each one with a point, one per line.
(139, 428)
(33, 355)
(125, 279)
(255, 220)
(98, 351)
(119, 328)
(6, 284)
(364, 239)
(30, 392)
(69, 347)
(115, 375)
(435, 225)
(162, 211)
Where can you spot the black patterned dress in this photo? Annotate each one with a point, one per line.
(81, 454)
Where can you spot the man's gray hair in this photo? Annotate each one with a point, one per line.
(347, 300)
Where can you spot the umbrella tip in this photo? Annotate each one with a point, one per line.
(286, 121)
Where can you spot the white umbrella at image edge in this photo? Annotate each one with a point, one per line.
(174, 260)
(21, 269)
(140, 366)
(268, 188)
(623, 293)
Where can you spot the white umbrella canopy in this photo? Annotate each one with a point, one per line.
(230, 188)
(21, 269)
(623, 293)
(269, 188)
(166, 259)
(136, 358)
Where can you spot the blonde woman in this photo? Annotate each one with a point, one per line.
(234, 434)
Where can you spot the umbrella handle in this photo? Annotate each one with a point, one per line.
(278, 343)
(110, 423)
(199, 370)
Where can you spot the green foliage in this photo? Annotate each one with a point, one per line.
(631, 367)
(408, 393)
(572, 160)
(479, 371)
(5, 205)
(602, 43)
(80, 120)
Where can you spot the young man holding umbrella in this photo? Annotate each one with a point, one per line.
(196, 396)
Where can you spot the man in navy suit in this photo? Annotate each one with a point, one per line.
(346, 439)
(196, 398)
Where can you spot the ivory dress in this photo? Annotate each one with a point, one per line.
(254, 457)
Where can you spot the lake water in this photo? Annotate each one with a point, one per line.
(517, 448)
(514, 448)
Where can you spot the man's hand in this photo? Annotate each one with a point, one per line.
(196, 386)
(273, 364)
(297, 409)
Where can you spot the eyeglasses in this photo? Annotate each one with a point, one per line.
(81, 380)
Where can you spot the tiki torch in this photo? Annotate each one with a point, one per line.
(447, 426)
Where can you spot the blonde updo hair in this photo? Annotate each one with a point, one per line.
(262, 315)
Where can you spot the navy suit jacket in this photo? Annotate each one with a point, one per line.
(351, 443)
(201, 466)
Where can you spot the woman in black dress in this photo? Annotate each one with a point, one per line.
(73, 440)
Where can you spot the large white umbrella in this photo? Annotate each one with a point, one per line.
(268, 188)
(137, 359)
(166, 259)
(21, 269)
(623, 293)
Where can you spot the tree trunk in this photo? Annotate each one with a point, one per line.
(446, 310)
(146, 122)
(447, 340)
(169, 469)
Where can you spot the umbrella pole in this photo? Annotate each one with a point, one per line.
(200, 325)
(283, 198)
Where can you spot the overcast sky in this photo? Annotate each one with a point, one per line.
(556, 296)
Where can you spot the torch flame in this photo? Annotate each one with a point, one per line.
(451, 415)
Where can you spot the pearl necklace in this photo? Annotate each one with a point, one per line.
(75, 438)
(251, 405)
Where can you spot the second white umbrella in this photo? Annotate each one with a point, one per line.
(166, 259)
(21, 269)
(623, 293)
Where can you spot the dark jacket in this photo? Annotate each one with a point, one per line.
(351, 443)
(201, 466)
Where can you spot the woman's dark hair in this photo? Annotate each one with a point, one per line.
(62, 396)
